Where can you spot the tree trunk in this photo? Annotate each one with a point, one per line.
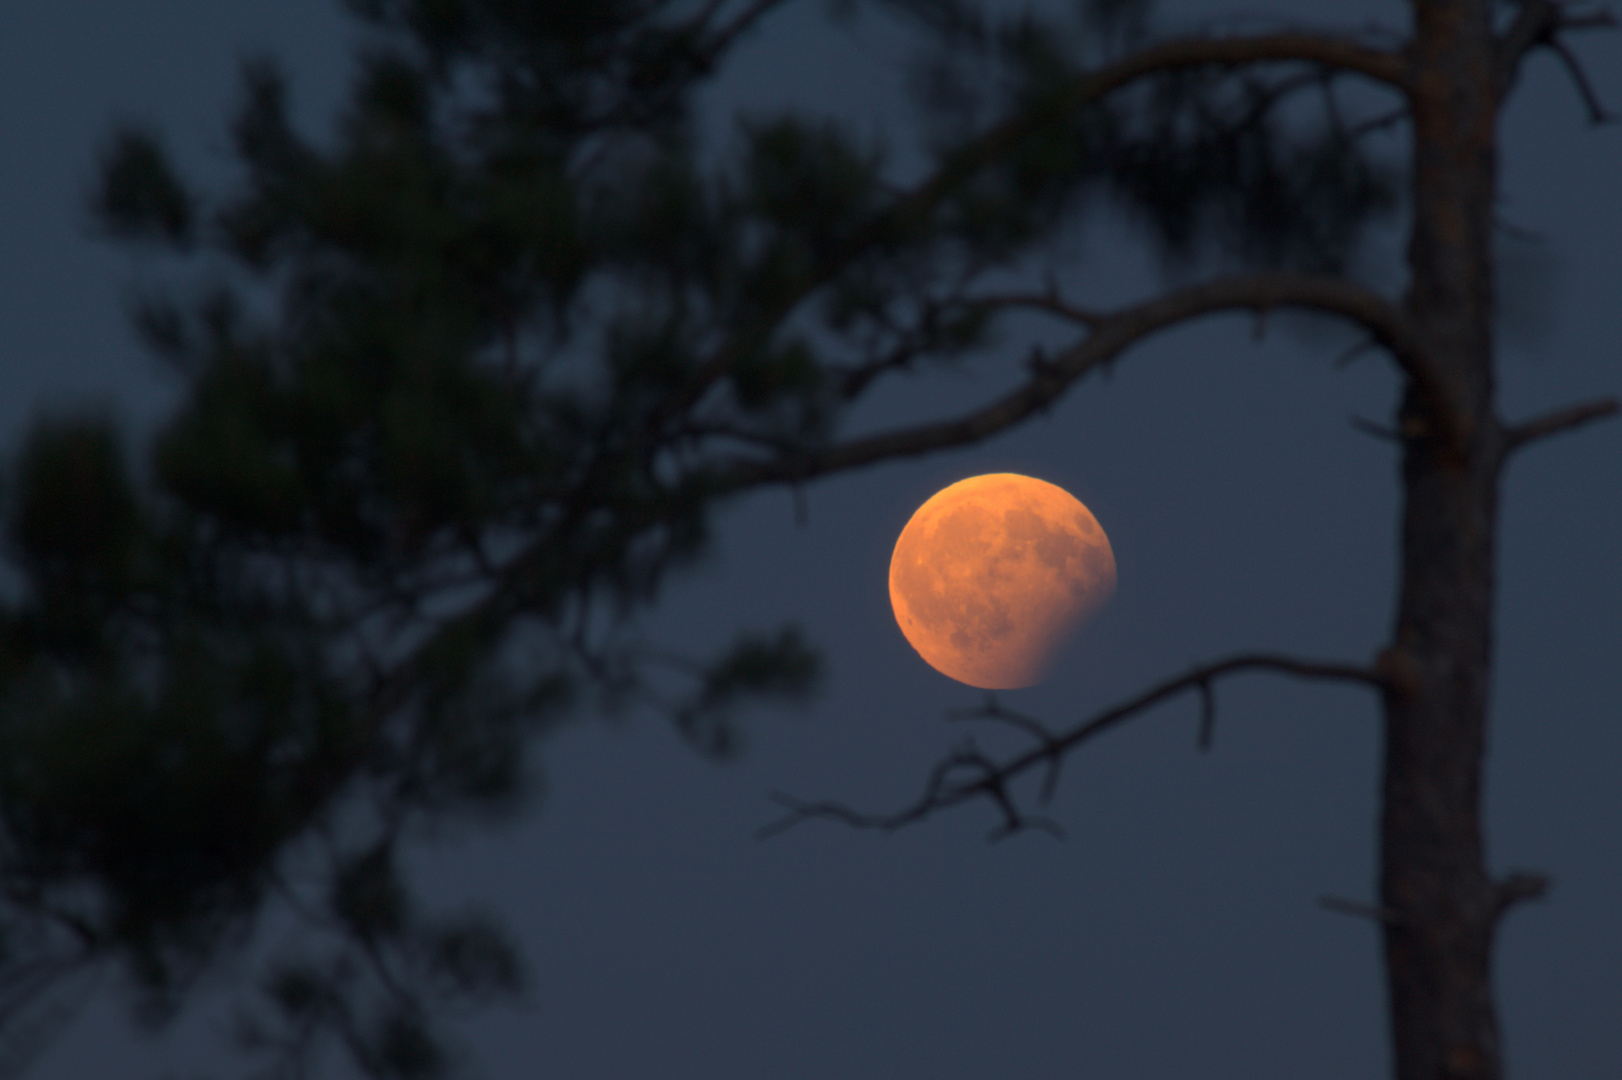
(1440, 905)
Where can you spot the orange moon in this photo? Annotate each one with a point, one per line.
(993, 573)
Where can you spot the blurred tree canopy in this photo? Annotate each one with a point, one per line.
(467, 382)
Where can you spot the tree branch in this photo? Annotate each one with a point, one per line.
(1518, 888)
(1377, 431)
(1561, 420)
(990, 780)
(1597, 113)
(1112, 334)
(1539, 24)
(1361, 910)
(1536, 21)
(909, 208)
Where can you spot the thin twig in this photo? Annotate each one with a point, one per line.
(1352, 352)
(1207, 716)
(1379, 122)
(1361, 910)
(993, 710)
(1518, 888)
(1561, 420)
(1379, 431)
(1597, 113)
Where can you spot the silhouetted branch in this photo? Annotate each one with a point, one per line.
(1207, 715)
(993, 710)
(1112, 335)
(1352, 352)
(1597, 113)
(1519, 888)
(1561, 420)
(1378, 431)
(1378, 123)
(1533, 25)
(1539, 24)
(1361, 910)
(990, 780)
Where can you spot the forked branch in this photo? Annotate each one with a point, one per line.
(967, 773)
(1540, 24)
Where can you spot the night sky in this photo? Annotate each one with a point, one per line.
(1175, 932)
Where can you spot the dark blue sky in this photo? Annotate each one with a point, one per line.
(1175, 932)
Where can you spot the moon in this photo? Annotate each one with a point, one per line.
(994, 573)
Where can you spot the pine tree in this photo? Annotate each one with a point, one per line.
(466, 385)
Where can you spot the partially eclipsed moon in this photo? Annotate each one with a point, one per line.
(993, 573)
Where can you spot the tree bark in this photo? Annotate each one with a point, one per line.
(1442, 906)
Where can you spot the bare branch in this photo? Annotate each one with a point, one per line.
(1539, 24)
(1361, 910)
(1534, 24)
(1561, 420)
(1378, 431)
(1597, 113)
(1519, 888)
(990, 780)
(993, 710)
(1353, 352)
(1207, 716)
(1112, 335)
(1379, 123)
